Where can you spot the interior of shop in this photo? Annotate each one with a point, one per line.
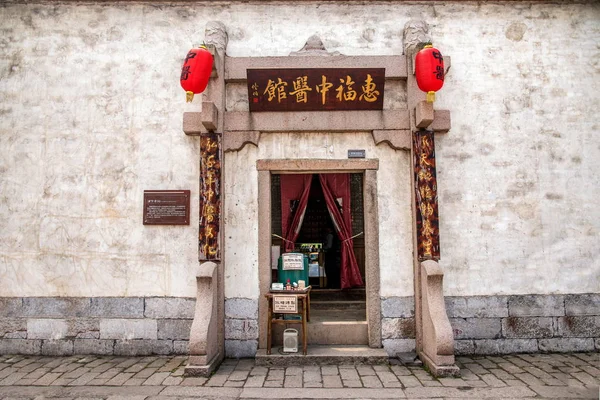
(336, 272)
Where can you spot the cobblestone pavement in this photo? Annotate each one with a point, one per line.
(539, 376)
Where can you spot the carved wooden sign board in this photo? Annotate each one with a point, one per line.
(166, 207)
(318, 89)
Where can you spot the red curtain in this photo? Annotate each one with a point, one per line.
(294, 198)
(336, 189)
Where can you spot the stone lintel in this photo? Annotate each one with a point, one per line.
(423, 114)
(397, 139)
(441, 121)
(236, 140)
(317, 121)
(311, 165)
(235, 67)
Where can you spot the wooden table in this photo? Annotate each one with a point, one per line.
(303, 309)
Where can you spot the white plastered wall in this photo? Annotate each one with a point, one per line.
(91, 116)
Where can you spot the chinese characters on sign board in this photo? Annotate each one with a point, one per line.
(428, 235)
(166, 207)
(285, 304)
(323, 89)
(210, 197)
(292, 261)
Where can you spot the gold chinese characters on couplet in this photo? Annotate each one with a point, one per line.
(428, 236)
(320, 89)
(210, 199)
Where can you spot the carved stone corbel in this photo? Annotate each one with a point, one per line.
(204, 349)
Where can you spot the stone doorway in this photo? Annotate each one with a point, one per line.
(368, 331)
(338, 315)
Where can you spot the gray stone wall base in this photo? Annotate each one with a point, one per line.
(241, 348)
(128, 326)
(397, 346)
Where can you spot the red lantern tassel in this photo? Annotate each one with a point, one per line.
(430, 97)
(189, 96)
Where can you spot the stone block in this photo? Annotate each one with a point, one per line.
(143, 347)
(240, 308)
(16, 335)
(93, 346)
(582, 304)
(181, 347)
(83, 328)
(169, 307)
(477, 306)
(174, 328)
(397, 307)
(20, 346)
(396, 346)
(128, 329)
(57, 347)
(56, 307)
(11, 306)
(476, 328)
(117, 307)
(13, 328)
(442, 121)
(240, 348)
(584, 326)
(535, 305)
(398, 328)
(241, 329)
(423, 114)
(47, 328)
(527, 327)
(464, 347)
(597, 343)
(192, 123)
(504, 346)
(566, 345)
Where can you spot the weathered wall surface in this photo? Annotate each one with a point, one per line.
(91, 116)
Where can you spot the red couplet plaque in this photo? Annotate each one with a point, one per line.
(166, 207)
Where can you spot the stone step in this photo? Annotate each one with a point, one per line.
(337, 295)
(323, 332)
(338, 332)
(323, 355)
(338, 305)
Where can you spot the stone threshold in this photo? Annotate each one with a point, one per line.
(323, 355)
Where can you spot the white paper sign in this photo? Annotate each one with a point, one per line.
(293, 261)
(285, 304)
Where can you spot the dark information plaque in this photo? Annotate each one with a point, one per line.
(166, 207)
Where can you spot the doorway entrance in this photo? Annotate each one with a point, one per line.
(365, 297)
(336, 272)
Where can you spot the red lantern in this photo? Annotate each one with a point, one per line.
(195, 71)
(429, 71)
